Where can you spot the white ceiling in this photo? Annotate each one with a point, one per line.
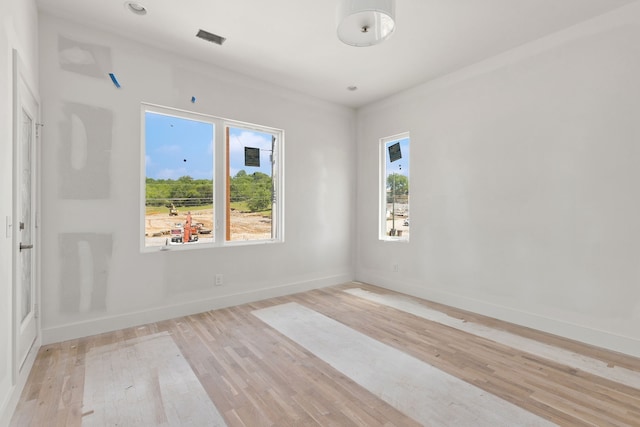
(293, 43)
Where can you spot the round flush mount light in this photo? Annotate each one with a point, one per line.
(135, 7)
(366, 22)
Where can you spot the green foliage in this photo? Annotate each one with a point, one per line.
(254, 190)
(260, 201)
(185, 191)
(398, 184)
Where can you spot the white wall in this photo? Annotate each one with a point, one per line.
(142, 287)
(525, 185)
(18, 30)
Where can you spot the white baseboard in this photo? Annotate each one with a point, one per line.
(595, 337)
(122, 321)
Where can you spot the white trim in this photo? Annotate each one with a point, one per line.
(595, 366)
(171, 311)
(22, 92)
(596, 337)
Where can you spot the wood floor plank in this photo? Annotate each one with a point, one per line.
(255, 376)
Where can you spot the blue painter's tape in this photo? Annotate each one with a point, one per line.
(193, 99)
(114, 80)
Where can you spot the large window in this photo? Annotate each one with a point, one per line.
(394, 188)
(209, 181)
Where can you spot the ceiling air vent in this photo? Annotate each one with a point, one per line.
(210, 37)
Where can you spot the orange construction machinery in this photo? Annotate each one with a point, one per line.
(185, 233)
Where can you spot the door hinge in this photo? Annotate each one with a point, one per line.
(36, 310)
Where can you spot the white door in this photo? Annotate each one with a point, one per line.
(24, 223)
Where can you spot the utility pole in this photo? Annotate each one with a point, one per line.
(393, 205)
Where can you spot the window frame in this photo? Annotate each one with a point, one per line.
(382, 183)
(277, 174)
(220, 179)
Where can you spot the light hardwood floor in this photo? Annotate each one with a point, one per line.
(255, 376)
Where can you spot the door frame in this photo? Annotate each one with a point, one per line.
(22, 82)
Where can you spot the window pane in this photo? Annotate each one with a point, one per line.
(179, 154)
(396, 188)
(252, 183)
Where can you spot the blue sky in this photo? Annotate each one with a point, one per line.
(177, 147)
(240, 138)
(400, 166)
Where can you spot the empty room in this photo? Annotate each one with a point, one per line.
(320, 213)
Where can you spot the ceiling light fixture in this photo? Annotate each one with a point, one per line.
(135, 7)
(366, 22)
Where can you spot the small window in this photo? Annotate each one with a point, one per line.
(394, 188)
(209, 181)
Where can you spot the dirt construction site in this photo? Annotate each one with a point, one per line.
(244, 226)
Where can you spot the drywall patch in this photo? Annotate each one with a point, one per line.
(86, 134)
(83, 58)
(84, 271)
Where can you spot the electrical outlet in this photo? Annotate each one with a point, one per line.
(396, 268)
(219, 279)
